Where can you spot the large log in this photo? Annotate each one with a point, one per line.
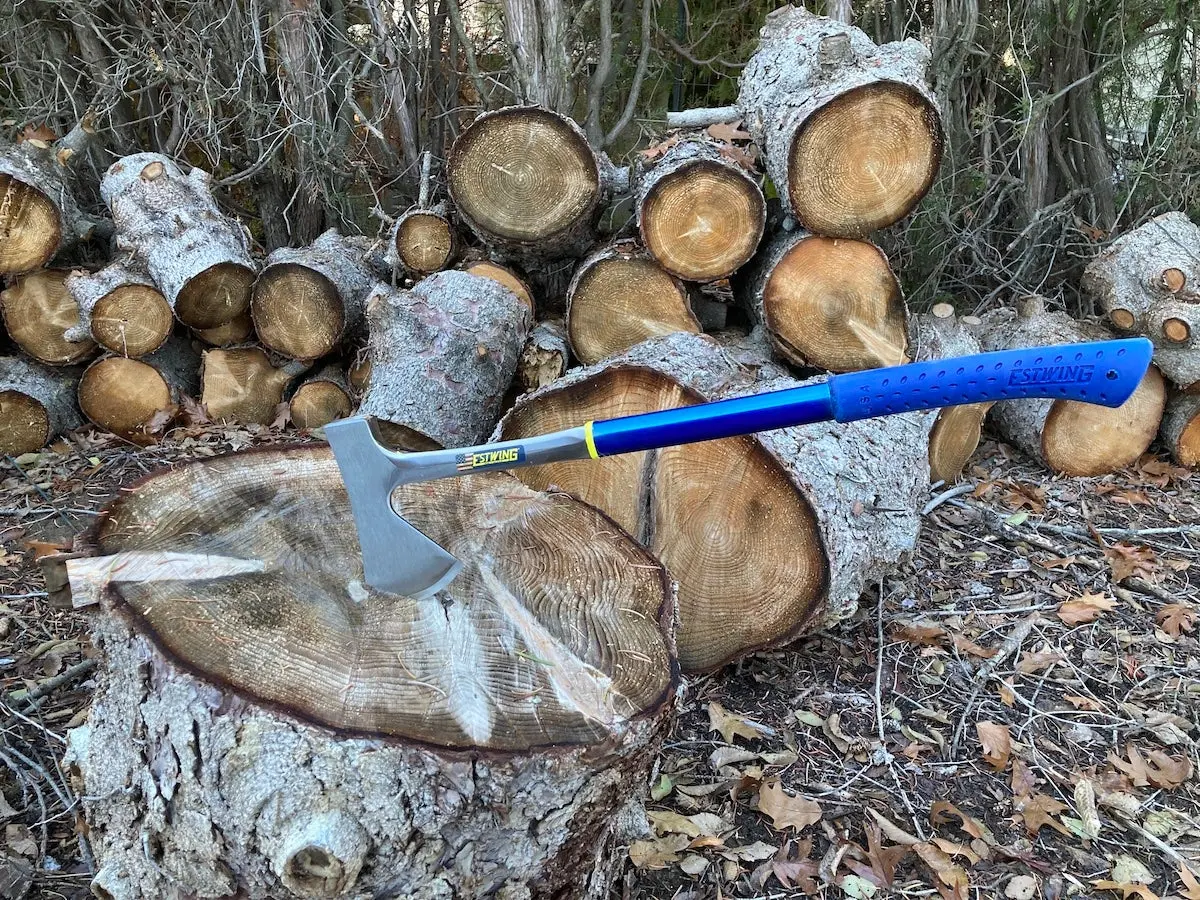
(699, 213)
(769, 536)
(120, 308)
(244, 384)
(38, 212)
(1148, 282)
(198, 257)
(43, 319)
(1181, 428)
(620, 296)
(37, 403)
(442, 357)
(307, 302)
(1069, 436)
(849, 130)
(321, 398)
(827, 302)
(265, 725)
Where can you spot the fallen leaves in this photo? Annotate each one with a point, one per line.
(1155, 769)
(1087, 608)
(951, 875)
(1191, 885)
(1038, 810)
(786, 810)
(997, 744)
(1175, 618)
(732, 725)
(1129, 560)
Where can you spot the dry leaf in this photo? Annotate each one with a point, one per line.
(1085, 808)
(1160, 472)
(928, 635)
(665, 821)
(967, 646)
(1021, 887)
(795, 870)
(883, 859)
(785, 810)
(1083, 702)
(1035, 662)
(731, 724)
(39, 135)
(657, 853)
(1038, 810)
(1086, 609)
(1126, 889)
(1159, 770)
(1058, 562)
(20, 840)
(1021, 494)
(948, 873)
(46, 548)
(1129, 560)
(728, 132)
(1022, 781)
(997, 745)
(972, 826)
(1191, 885)
(1176, 617)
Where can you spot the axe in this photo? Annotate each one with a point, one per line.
(399, 559)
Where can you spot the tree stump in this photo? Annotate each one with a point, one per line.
(1181, 428)
(699, 213)
(138, 398)
(545, 357)
(1148, 282)
(850, 131)
(1069, 436)
(198, 257)
(829, 303)
(619, 297)
(770, 535)
(307, 302)
(43, 319)
(267, 726)
(321, 398)
(38, 213)
(442, 357)
(235, 331)
(37, 403)
(120, 309)
(423, 241)
(244, 384)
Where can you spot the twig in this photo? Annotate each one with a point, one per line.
(701, 118)
(1011, 645)
(50, 685)
(957, 491)
(423, 190)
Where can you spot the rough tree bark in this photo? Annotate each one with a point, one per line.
(198, 257)
(39, 215)
(486, 268)
(321, 398)
(850, 131)
(43, 319)
(1181, 428)
(37, 403)
(244, 384)
(545, 357)
(769, 535)
(266, 725)
(536, 32)
(120, 308)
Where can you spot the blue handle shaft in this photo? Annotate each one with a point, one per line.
(1102, 372)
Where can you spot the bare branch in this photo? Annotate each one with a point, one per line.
(635, 89)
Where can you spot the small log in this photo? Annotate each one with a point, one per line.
(199, 258)
(37, 403)
(120, 309)
(619, 297)
(699, 213)
(235, 331)
(307, 302)
(830, 303)
(1069, 436)
(486, 268)
(769, 535)
(545, 357)
(244, 385)
(1181, 428)
(321, 398)
(272, 727)
(1148, 282)
(43, 319)
(850, 131)
(38, 212)
(442, 356)
(423, 241)
(701, 118)
(138, 398)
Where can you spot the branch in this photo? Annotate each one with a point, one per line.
(468, 51)
(635, 89)
(596, 87)
(701, 118)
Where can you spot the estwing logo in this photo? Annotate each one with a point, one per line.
(1051, 375)
(485, 459)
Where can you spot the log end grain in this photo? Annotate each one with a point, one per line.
(215, 295)
(37, 403)
(297, 311)
(485, 268)
(24, 423)
(235, 331)
(38, 312)
(954, 439)
(1181, 428)
(128, 397)
(31, 228)
(318, 403)
(240, 385)
(132, 320)
(424, 242)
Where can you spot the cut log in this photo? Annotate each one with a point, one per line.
(1069, 436)
(546, 356)
(423, 241)
(235, 331)
(620, 297)
(243, 384)
(442, 356)
(43, 319)
(138, 398)
(321, 398)
(526, 182)
(1148, 282)
(271, 727)
(769, 536)
(38, 213)
(199, 258)
(307, 301)
(850, 131)
(120, 309)
(485, 268)
(700, 214)
(37, 403)
(827, 302)
(955, 436)
(1181, 428)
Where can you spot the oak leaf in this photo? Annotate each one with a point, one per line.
(785, 810)
(1128, 560)
(1083, 702)
(883, 859)
(968, 646)
(1191, 884)
(40, 135)
(657, 853)
(731, 724)
(953, 876)
(1086, 609)
(1035, 662)
(927, 635)
(795, 869)
(997, 745)
(728, 132)
(1038, 810)
(941, 810)
(1177, 617)
(1156, 769)
(1126, 888)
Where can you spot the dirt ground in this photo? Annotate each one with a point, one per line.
(1002, 718)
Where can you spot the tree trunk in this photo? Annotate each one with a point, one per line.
(307, 302)
(198, 257)
(620, 297)
(485, 268)
(546, 356)
(1069, 436)
(423, 241)
(38, 213)
(700, 214)
(769, 536)
(138, 399)
(235, 331)
(43, 319)
(37, 403)
(850, 131)
(1148, 282)
(536, 34)
(321, 398)
(1181, 429)
(120, 309)
(827, 302)
(265, 725)
(244, 385)
(442, 356)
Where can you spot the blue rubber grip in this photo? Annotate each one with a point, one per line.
(1102, 372)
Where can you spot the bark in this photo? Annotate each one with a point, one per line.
(120, 309)
(702, 118)
(619, 297)
(536, 32)
(770, 535)
(37, 403)
(244, 384)
(1181, 428)
(252, 734)
(442, 356)
(198, 257)
(850, 131)
(39, 215)
(321, 398)
(699, 213)
(1068, 436)
(43, 319)
(423, 241)
(545, 357)
(1148, 282)
(307, 302)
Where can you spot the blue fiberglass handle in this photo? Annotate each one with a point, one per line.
(1103, 372)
